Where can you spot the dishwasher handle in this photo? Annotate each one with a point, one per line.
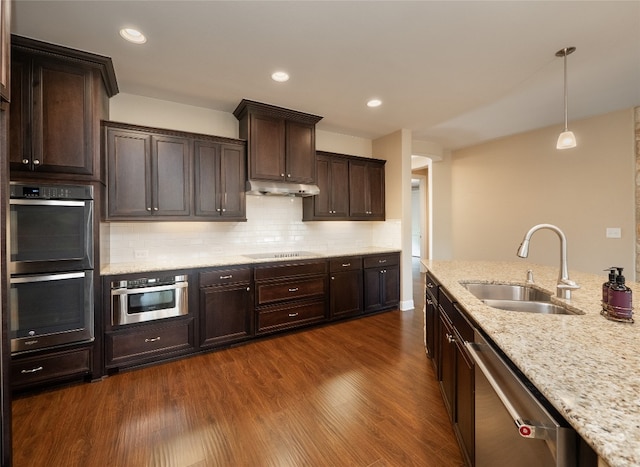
(526, 428)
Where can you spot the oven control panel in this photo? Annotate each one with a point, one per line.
(23, 191)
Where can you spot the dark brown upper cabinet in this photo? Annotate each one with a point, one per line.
(58, 97)
(5, 50)
(155, 174)
(351, 188)
(281, 142)
(219, 180)
(366, 190)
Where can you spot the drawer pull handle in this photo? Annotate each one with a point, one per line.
(382, 261)
(346, 265)
(295, 289)
(430, 285)
(153, 339)
(293, 315)
(227, 276)
(33, 370)
(450, 338)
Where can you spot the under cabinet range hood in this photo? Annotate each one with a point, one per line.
(271, 188)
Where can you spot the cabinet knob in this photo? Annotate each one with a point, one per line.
(25, 161)
(224, 210)
(218, 209)
(155, 209)
(248, 289)
(282, 175)
(148, 209)
(36, 162)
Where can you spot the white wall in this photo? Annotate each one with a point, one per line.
(274, 223)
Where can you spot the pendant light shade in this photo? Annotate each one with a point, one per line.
(567, 139)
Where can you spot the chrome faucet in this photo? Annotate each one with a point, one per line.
(565, 285)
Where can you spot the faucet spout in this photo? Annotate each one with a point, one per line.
(565, 285)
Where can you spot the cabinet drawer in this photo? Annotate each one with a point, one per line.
(147, 342)
(283, 317)
(381, 260)
(350, 263)
(225, 276)
(290, 269)
(290, 290)
(50, 367)
(461, 324)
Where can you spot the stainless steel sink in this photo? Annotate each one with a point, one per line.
(486, 291)
(514, 297)
(530, 307)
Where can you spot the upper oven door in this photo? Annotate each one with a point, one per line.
(51, 235)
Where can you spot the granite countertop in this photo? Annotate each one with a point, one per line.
(587, 366)
(231, 260)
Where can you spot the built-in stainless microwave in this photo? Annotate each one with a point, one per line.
(51, 228)
(148, 299)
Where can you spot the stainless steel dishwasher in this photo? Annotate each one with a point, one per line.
(512, 426)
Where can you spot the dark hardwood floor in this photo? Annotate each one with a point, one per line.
(357, 393)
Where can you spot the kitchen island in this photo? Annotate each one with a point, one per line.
(585, 365)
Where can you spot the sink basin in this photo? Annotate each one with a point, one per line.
(514, 297)
(512, 292)
(530, 307)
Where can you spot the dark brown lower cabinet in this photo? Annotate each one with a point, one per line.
(431, 315)
(147, 343)
(381, 282)
(456, 372)
(290, 295)
(345, 287)
(51, 367)
(226, 308)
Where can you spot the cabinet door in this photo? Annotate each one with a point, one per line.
(207, 179)
(358, 203)
(322, 206)
(5, 49)
(375, 191)
(391, 286)
(129, 167)
(340, 188)
(447, 363)
(171, 172)
(430, 316)
(464, 402)
(19, 141)
(60, 113)
(226, 314)
(232, 181)
(372, 289)
(346, 293)
(266, 148)
(366, 190)
(300, 152)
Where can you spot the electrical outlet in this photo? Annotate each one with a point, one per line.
(614, 232)
(141, 254)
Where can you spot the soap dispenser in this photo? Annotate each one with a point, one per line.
(620, 307)
(606, 289)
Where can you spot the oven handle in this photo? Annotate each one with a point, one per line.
(526, 428)
(47, 277)
(46, 202)
(158, 288)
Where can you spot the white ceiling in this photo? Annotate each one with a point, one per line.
(454, 72)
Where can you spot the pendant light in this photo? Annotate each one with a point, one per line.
(567, 139)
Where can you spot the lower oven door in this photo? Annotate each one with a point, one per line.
(142, 304)
(49, 310)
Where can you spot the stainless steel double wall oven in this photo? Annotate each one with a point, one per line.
(51, 266)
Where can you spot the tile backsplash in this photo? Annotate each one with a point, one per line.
(274, 225)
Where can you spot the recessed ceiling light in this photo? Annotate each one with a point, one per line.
(133, 35)
(374, 103)
(280, 76)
